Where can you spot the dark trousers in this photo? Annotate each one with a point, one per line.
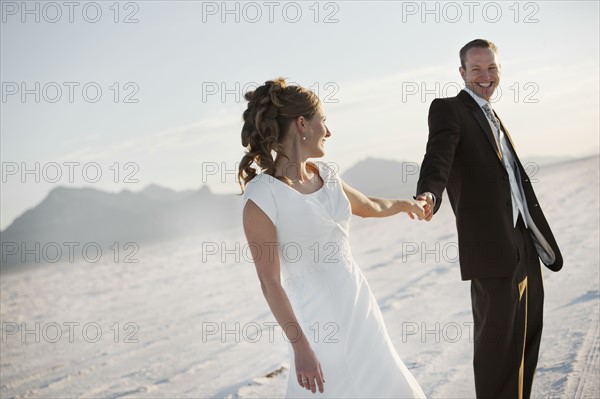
(507, 315)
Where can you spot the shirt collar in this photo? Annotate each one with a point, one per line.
(480, 101)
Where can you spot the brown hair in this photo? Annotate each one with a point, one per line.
(271, 110)
(481, 43)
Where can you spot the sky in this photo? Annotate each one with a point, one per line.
(120, 95)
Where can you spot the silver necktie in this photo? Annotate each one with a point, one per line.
(492, 117)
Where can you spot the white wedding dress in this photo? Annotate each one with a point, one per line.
(328, 292)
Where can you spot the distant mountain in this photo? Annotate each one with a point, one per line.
(157, 192)
(398, 179)
(88, 215)
(383, 178)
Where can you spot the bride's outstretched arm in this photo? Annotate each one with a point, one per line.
(262, 240)
(380, 207)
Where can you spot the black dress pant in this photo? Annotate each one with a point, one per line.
(507, 315)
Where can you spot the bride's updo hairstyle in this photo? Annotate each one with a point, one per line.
(271, 110)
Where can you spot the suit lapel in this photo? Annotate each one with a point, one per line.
(485, 125)
(507, 135)
(482, 120)
(522, 171)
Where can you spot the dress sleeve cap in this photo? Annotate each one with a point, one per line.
(260, 193)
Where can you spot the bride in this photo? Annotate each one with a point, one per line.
(296, 220)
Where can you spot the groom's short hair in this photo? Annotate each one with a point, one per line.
(482, 43)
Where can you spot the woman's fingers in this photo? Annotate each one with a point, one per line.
(312, 383)
(307, 382)
(421, 208)
(303, 380)
(308, 371)
(320, 383)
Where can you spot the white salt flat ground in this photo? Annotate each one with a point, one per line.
(175, 300)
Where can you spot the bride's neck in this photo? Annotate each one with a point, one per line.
(293, 168)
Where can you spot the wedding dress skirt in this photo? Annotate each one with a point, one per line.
(329, 294)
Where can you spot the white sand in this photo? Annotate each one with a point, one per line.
(173, 298)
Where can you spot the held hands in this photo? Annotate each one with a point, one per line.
(427, 197)
(308, 369)
(418, 207)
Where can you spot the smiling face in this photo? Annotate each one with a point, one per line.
(316, 134)
(481, 72)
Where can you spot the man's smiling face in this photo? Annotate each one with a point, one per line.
(481, 72)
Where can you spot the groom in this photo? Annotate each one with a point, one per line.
(501, 228)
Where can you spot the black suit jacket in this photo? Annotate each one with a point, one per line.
(462, 157)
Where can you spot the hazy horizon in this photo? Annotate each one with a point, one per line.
(409, 168)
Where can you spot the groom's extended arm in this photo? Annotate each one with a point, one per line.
(444, 136)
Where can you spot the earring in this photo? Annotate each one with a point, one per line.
(304, 138)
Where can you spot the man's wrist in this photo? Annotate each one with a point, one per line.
(433, 197)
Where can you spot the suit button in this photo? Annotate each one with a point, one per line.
(536, 205)
(505, 178)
